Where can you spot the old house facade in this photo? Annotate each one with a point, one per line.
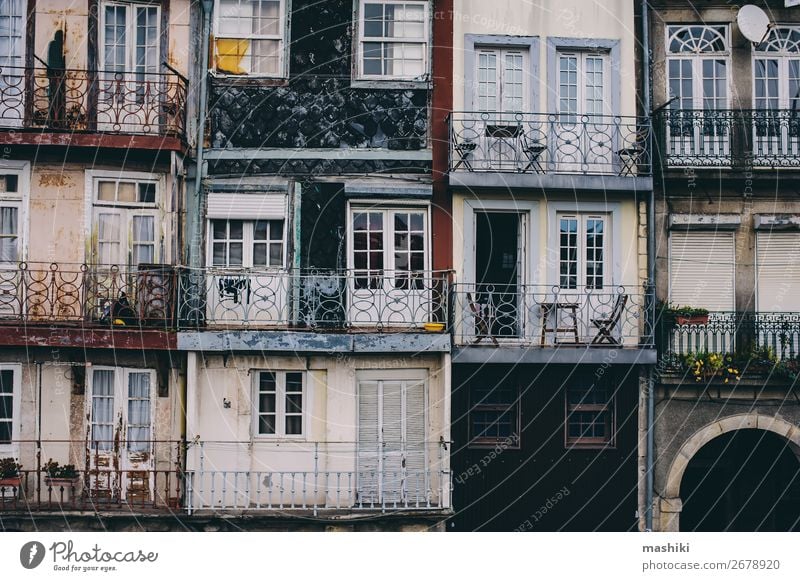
(726, 410)
(550, 175)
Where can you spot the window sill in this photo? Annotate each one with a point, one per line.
(389, 84)
(248, 80)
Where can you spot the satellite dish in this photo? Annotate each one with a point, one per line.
(753, 23)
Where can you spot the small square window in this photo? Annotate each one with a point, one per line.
(250, 37)
(590, 419)
(393, 40)
(280, 403)
(494, 413)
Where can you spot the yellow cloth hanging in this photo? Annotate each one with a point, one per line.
(230, 52)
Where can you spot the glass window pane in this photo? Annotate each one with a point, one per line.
(126, 192)
(107, 191)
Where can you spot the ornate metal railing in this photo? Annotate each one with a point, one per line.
(317, 477)
(546, 315)
(93, 101)
(729, 138)
(549, 143)
(315, 300)
(105, 476)
(88, 294)
(728, 332)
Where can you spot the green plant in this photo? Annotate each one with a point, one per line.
(54, 470)
(708, 365)
(9, 468)
(686, 311)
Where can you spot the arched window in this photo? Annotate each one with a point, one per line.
(698, 59)
(776, 70)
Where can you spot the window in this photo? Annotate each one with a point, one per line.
(126, 221)
(582, 85)
(701, 269)
(583, 250)
(697, 66)
(247, 243)
(121, 397)
(393, 41)
(280, 403)
(249, 37)
(393, 241)
(501, 81)
(12, 186)
(590, 418)
(494, 412)
(777, 70)
(9, 400)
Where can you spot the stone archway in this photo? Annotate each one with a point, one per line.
(671, 505)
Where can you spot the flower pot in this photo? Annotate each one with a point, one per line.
(60, 489)
(434, 327)
(691, 319)
(9, 487)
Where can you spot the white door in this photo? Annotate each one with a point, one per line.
(389, 282)
(391, 441)
(776, 125)
(583, 140)
(247, 283)
(502, 109)
(12, 62)
(121, 434)
(130, 88)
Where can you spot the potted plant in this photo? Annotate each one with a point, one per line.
(9, 477)
(689, 315)
(61, 479)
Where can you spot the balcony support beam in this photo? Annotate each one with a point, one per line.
(510, 355)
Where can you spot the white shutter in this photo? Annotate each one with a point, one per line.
(247, 206)
(392, 437)
(778, 271)
(701, 270)
(416, 481)
(369, 445)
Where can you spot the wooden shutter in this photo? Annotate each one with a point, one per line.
(392, 437)
(416, 481)
(369, 445)
(701, 270)
(778, 271)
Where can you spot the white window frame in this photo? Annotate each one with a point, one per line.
(697, 66)
(280, 405)
(248, 242)
(131, 36)
(582, 218)
(19, 200)
(12, 449)
(121, 384)
(501, 52)
(783, 57)
(424, 41)
(282, 38)
(388, 212)
(581, 57)
(127, 211)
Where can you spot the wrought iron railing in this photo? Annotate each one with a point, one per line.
(387, 300)
(748, 138)
(88, 294)
(93, 101)
(729, 332)
(547, 315)
(106, 476)
(545, 143)
(319, 477)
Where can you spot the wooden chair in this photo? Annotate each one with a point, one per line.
(606, 325)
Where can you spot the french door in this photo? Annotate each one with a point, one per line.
(582, 141)
(129, 91)
(776, 123)
(502, 100)
(12, 61)
(391, 439)
(121, 451)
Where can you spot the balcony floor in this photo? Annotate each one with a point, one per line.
(537, 181)
(510, 354)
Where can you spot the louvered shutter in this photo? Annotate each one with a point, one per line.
(701, 270)
(392, 436)
(416, 481)
(778, 271)
(369, 445)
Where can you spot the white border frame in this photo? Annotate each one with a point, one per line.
(12, 449)
(280, 406)
(22, 169)
(247, 245)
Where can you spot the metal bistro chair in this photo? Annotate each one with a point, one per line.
(607, 324)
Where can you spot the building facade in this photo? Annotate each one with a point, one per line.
(726, 410)
(549, 175)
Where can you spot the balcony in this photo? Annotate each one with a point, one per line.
(549, 316)
(42, 102)
(351, 300)
(742, 139)
(548, 149)
(319, 477)
(113, 477)
(87, 295)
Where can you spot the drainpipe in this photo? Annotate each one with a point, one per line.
(193, 216)
(651, 272)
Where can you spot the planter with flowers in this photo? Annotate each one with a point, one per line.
(10, 479)
(688, 315)
(706, 366)
(60, 480)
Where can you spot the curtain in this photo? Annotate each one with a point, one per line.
(102, 409)
(138, 411)
(143, 239)
(8, 234)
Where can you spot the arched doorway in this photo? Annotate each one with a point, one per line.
(742, 480)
